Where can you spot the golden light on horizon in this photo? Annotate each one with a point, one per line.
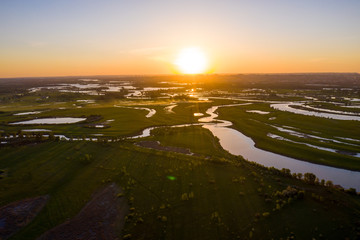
(191, 60)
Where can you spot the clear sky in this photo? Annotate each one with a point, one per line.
(91, 37)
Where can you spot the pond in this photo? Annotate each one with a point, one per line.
(56, 120)
(27, 113)
(35, 130)
(257, 111)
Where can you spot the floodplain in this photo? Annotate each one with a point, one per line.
(187, 157)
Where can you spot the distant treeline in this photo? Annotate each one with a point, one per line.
(207, 81)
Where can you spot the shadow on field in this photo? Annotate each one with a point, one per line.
(98, 220)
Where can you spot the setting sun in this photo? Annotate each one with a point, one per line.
(191, 61)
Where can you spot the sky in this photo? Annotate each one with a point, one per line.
(136, 37)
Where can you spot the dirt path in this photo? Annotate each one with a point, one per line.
(101, 218)
(18, 214)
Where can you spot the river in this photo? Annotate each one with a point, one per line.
(238, 144)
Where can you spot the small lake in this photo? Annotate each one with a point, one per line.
(27, 113)
(257, 111)
(60, 120)
(35, 130)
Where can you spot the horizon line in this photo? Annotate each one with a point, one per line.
(172, 74)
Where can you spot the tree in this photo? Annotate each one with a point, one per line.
(51, 136)
(309, 178)
(329, 183)
(351, 191)
(322, 182)
(286, 171)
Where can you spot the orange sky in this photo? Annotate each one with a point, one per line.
(57, 38)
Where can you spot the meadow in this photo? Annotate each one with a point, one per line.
(207, 197)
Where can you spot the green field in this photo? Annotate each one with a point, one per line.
(226, 196)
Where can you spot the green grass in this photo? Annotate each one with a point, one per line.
(331, 106)
(196, 138)
(221, 207)
(126, 122)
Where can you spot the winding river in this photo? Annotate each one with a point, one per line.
(237, 143)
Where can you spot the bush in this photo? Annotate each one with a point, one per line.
(286, 171)
(329, 183)
(351, 191)
(86, 159)
(184, 197)
(266, 214)
(310, 178)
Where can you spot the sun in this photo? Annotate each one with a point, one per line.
(191, 60)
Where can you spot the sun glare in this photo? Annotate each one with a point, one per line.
(191, 61)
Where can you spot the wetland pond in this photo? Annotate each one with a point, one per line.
(59, 120)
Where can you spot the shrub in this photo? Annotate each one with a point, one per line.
(127, 236)
(191, 195)
(329, 183)
(286, 171)
(86, 159)
(351, 191)
(309, 178)
(184, 197)
(322, 182)
(266, 214)
(215, 217)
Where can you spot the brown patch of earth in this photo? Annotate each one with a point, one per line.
(102, 218)
(18, 214)
(156, 145)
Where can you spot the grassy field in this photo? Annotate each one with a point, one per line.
(126, 121)
(331, 106)
(200, 140)
(207, 198)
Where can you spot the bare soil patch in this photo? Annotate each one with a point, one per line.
(156, 145)
(18, 214)
(102, 218)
